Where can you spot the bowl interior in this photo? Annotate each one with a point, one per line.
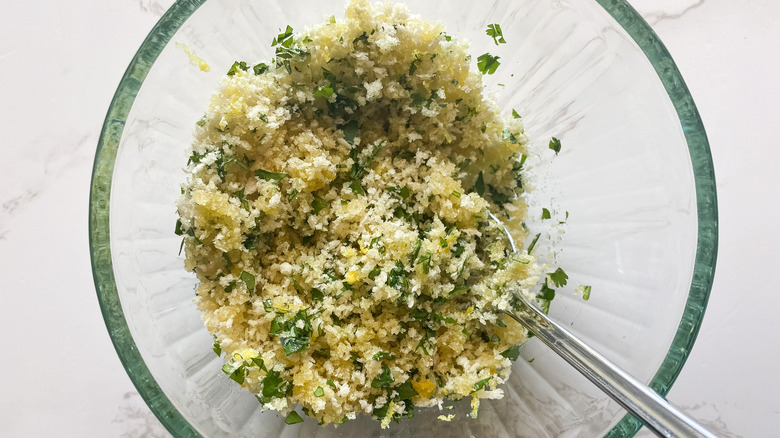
(634, 178)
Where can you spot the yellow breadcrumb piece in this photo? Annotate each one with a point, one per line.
(424, 388)
(195, 60)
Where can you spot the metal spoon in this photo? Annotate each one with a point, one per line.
(655, 412)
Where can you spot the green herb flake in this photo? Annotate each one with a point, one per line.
(508, 135)
(384, 355)
(324, 92)
(293, 418)
(384, 379)
(479, 185)
(292, 195)
(494, 31)
(270, 176)
(533, 243)
(235, 370)
(317, 295)
(319, 392)
(405, 390)
(268, 306)
(274, 386)
(425, 261)
(357, 188)
(258, 361)
(555, 145)
(586, 293)
(456, 194)
(459, 290)
(413, 67)
(488, 64)
(558, 277)
(217, 347)
(318, 204)
(512, 353)
(351, 131)
(419, 314)
(330, 383)
(249, 281)
(446, 319)
(260, 68)
(515, 115)
(545, 214)
(291, 335)
(401, 192)
(238, 65)
(481, 384)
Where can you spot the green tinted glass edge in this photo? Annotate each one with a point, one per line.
(706, 201)
(99, 196)
(161, 34)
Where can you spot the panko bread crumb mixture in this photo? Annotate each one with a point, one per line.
(335, 214)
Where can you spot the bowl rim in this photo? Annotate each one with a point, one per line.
(162, 33)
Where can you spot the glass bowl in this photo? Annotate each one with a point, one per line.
(635, 175)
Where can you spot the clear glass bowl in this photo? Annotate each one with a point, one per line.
(635, 173)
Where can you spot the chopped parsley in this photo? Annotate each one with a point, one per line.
(287, 49)
(405, 390)
(586, 293)
(293, 418)
(479, 185)
(488, 64)
(274, 386)
(508, 135)
(324, 92)
(515, 115)
(533, 243)
(401, 192)
(318, 204)
(319, 392)
(293, 333)
(512, 353)
(481, 384)
(494, 31)
(546, 295)
(249, 281)
(384, 379)
(260, 68)
(459, 290)
(238, 65)
(558, 277)
(217, 347)
(425, 261)
(545, 214)
(357, 188)
(555, 145)
(384, 355)
(236, 370)
(270, 176)
(419, 314)
(351, 131)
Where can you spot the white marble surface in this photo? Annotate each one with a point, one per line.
(61, 62)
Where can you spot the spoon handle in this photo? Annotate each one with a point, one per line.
(655, 412)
